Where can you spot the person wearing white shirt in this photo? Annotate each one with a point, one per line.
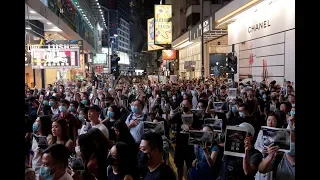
(93, 116)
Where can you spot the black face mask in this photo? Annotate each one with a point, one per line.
(143, 157)
(186, 109)
(111, 160)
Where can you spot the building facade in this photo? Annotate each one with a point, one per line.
(187, 36)
(51, 22)
(263, 37)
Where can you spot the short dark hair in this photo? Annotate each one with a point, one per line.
(75, 103)
(53, 98)
(95, 108)
(64, 101)
(154, 140)
(204, 102)
(59, 153)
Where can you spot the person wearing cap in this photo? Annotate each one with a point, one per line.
(238, 168)
(93, 116)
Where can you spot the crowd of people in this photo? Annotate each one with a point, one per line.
(88, 130)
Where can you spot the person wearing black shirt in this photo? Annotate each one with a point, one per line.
(183, 151)
(151, 154)
(238, 168)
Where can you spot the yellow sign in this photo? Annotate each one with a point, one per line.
(162, 24)
(150, 31)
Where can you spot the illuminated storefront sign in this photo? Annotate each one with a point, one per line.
(150, 34)
(163, 24)
(169, 54)
(56, 54)
(100, 59)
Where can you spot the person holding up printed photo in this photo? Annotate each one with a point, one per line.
(271, 122)
(281, 164)
(238, 168)
(208, 162)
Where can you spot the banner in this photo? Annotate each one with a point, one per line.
(150, 34)
(162, 24)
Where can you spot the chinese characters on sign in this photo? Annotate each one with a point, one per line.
(162, 24)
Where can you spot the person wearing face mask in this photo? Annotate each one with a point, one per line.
(272, 105)
(135, 121)
(282, 165)
(41, 128)
(73, 123)
(243, 113)
(194, 99)
(53, 103)
(54, 163)
(83, 118)
(122, 165)
(233, 116)
(73, 108)
(184, 153)
(151, 156)
(111, 117)
(262, 104)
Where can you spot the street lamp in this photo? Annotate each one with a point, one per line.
(202, 43)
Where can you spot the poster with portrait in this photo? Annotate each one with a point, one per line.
(187, 118)
(276, 137)
(234, 141)
(200, 137)
(232, 93)
(215, 124)
(198, 112)
(153, 127)
(218, 106)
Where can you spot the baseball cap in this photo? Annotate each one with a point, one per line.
(248, 127)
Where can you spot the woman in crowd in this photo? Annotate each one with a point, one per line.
(29, 173)
(122, 165)
(41, 137)
(208, 162)
(94, 151)
(60, 134)
(124, 135)
(112, 115)
(272, 121)
(282, 165)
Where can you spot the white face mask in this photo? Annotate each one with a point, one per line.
(77, 149)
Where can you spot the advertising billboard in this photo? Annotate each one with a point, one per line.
(169, 54)
(100, 59)
(162, 24)
(150, 34)
(46, 58)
